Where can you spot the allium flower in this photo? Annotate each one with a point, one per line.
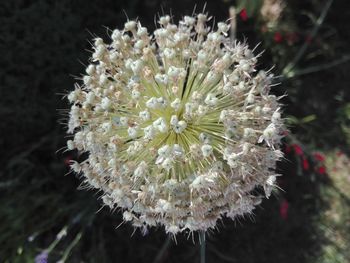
(178, 126)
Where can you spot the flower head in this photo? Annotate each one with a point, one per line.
(178, 125)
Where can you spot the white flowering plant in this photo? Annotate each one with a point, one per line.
(306, 43)
(178, 125)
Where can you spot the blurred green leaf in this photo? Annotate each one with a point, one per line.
(347, 110)
(292, 120)
(308, 118)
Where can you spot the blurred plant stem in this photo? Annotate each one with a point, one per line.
(59, 236)
(233, 23)
(162, 251)
(202, 246)
(70, 247)
(288, 69)
(318, 68)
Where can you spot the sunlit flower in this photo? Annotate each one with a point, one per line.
(178, 126)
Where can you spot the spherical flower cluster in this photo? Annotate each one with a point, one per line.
(178, 126)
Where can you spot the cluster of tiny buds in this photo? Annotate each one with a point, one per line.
(179, 127)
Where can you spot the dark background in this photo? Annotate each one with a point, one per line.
(44, 45)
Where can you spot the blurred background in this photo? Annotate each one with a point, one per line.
(45, 217)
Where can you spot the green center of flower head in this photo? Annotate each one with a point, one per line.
(178, 125)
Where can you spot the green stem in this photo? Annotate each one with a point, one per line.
(313, 33)
(162, 251)
(318, 68)
(70, 247)
(202, 246)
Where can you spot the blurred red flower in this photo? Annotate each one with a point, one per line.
(277, 37)
(298, 150)
(306, 164)
(319, 157)
(243, 14)
(321, 170)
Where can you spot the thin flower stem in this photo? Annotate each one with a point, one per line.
(202, 246)
(313, 33)
(163, 249)
(233, 23)
(318, 68)
(70, 247)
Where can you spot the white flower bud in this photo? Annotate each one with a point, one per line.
(106, 127)
(169, 53)
(162, 103)
(207, 150)
(276, 117)
(222, 27)
(161, 79)
(137, 66)
(130, 26)
(135, 94)
(139, 44)
(160, 124)
(124, 121)
(180, 126)
(132, 132)
(211, 100)
(105, 103)
(90, 97)
(145, 115)
(174, 120)
(178, 150)
(73, 96)
(167, 164)
(164, 20)
(142, 31)
(164, 150)
(152, 103)
(127, 216)
(90, 70)
(116, 35)
(87, 80)
(149, 132)
(70, 145)
(176, 104)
